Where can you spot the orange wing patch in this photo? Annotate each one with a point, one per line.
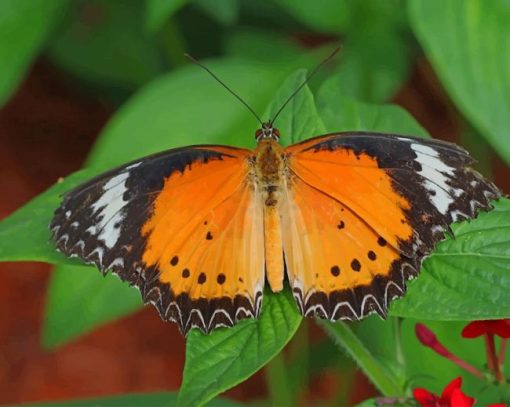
(184, 226)
(361, 212)
(356, 181)
(205, 238)
(338, 267)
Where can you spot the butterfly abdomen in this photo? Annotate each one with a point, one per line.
(269, 173)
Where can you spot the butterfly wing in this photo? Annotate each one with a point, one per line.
(360, 212)
(184, 226)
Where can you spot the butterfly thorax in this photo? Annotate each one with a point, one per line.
(269, 170)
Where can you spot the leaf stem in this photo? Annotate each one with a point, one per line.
(277, 382)
(382, 378)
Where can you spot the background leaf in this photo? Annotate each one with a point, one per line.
(104, 44)
(25, 234)
(376, 55)
(226, 357)
(87, 304)
(158, 11)
(225, 12)
(329, 16)
(467, 42)
(24, 28)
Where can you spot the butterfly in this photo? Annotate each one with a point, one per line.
(345, 218)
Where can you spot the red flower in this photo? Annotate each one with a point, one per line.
(499, 327)
(452, 396)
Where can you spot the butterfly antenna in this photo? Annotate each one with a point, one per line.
(305, 82)
(195, 61)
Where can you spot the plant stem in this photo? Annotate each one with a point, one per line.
(382, 378)
(492, 360)
(277, 382)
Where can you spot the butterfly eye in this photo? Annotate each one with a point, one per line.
(276, 133)
(258, 133)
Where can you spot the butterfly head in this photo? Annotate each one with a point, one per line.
(267, 132)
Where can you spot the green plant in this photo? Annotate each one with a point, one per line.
(466, 278)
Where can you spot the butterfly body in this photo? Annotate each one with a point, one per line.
(269, 172)
(347, 218)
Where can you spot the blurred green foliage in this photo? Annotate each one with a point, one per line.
(131, 53)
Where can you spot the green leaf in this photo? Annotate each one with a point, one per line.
(130, 400)
(466, 277)
(329, 16)
(467, 42)
(376, 53)
(225, 12)
(369, 70)
(104, 43)
(340, 113)
(24, 235)
(261, 45)
(87, 304)
(158, 11)
(299, 119)
(220, 360)
(236, 353)
(24, 28)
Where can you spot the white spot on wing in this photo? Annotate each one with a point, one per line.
(436, 173)
(109, 207)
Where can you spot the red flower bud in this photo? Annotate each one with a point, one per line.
(428, 338)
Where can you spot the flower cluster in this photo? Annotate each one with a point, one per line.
(452, 395)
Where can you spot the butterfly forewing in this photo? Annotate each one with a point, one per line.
(360, 212)
(184, 226)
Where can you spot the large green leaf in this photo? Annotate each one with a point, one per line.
(236, 353)
(158, 11)
(226, 357)
(225, 12)
(330, 16)
(340, 113)
(376, 54)
(104, 43)
(129, 400)
(24, 27)
(467, 41)
(25, 235)
(87, 304)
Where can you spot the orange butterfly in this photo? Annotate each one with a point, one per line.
(348, 217)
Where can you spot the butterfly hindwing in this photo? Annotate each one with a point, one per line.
(184, 226)
(362, 210)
